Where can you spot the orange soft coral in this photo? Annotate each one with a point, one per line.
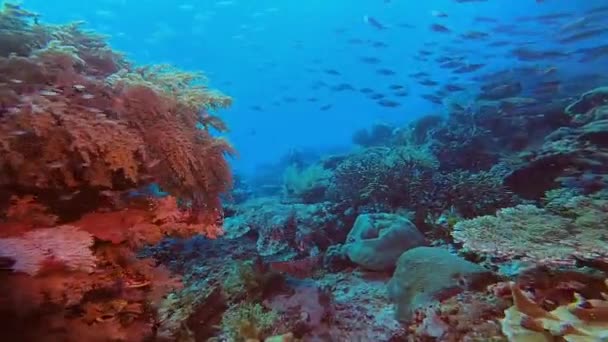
(23, 214)
(79, 116)
(192, 163)
(117, 300)
(175, 221)
(137, 227)
(80, 125)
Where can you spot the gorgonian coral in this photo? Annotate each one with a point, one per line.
(76, 115)
(66, 244)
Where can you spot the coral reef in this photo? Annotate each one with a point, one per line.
(502, 193)
(574, 150)
(384, 176)
(482, 223)
(467, 316)
(284, 229)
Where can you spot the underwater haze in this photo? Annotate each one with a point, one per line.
(294, 171)
(272, 57)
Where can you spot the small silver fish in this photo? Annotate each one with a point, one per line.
(153, 163)
(69, 196)
(18, 133)
(55, 165)
(48, 93)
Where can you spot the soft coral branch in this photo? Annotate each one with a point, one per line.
(67, 245)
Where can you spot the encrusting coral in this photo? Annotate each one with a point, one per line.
(565, 231)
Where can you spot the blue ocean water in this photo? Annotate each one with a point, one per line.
(272, 56)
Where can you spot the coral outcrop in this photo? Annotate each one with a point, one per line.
(376, 241)
(425, 274)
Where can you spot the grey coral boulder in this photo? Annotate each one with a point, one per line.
(425, 274)
(377, 240)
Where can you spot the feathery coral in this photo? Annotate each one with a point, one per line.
(80, 115)
(67, 245)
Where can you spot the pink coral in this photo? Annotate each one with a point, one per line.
(67, 245)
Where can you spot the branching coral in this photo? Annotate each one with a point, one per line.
(472, 194)
(248, 322)
(390, 176)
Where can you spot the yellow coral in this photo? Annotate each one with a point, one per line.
(188, 87)
(580, 321)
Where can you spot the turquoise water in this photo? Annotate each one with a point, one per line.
(269, 55)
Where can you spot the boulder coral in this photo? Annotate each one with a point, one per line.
(377, 240)
(426, 274)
